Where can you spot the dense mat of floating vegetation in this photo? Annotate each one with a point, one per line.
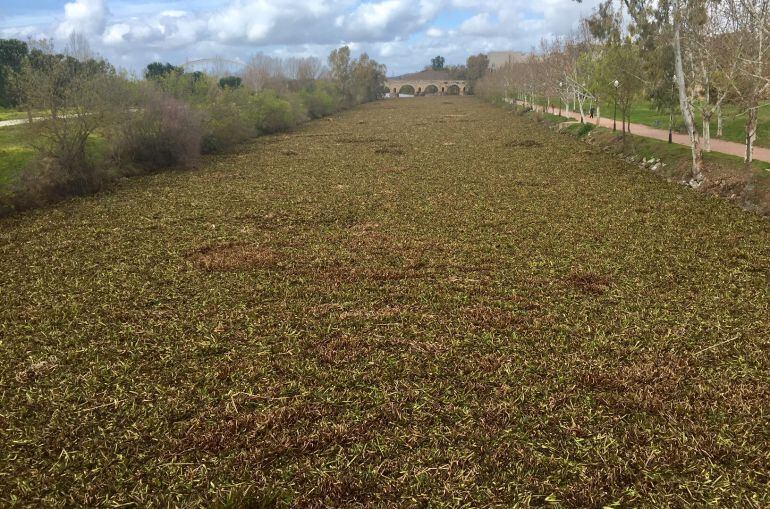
(420, 301)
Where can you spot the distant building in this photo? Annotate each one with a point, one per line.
(498, 59)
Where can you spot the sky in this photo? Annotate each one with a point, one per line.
(402, 34)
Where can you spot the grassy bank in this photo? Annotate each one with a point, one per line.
(417, 302)
(15, 154)
(11, 114)
(642, 112)
(727, 176)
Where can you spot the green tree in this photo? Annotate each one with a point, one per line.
(358, 80)
(340, 68)
(437, 63)
(662, 90)
(12, 55)
(476, 68)
(230, 82)
(77, 98)
(159, 70)
(368, 79)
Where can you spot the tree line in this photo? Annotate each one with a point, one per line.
(687, 57)
(98, 123)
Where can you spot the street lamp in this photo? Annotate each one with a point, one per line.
(561, 95)
(615, 84)
(671, 112)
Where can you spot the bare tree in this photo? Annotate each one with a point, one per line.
(78, 98)
(79, 48)
(685, 104)
(263, 71)
(749, 28)
(303, 69)
(712, 53)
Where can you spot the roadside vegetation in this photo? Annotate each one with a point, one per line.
(418, 302)
(15, 153)
(99, 124)
(12, 114)
(697, 67)
(729, 176)
(643, 111)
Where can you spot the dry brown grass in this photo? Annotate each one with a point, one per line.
(233, 256)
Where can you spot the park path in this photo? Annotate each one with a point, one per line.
(721, 146)
(16, 121)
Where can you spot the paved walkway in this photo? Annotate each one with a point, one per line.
(16, 121)
(722, 146)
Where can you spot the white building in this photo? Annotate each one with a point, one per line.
(498, 59)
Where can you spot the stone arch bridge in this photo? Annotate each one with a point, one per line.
(426, 87)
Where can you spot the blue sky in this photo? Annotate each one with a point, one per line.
(403, 34)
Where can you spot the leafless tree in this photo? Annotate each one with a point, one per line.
(749, 23)
(79, 48)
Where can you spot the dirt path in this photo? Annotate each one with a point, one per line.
(722, 146)
(15, 121)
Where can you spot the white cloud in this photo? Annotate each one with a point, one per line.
(480, 24)
(88, 17)
(404, 34)
(168, 30)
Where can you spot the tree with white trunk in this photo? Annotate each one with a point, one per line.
(750, 26)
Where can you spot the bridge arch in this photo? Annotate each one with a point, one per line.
(419, 87)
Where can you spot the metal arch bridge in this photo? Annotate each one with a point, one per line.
(217, 63)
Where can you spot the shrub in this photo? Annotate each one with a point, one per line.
(272, 113)
(78, 98)
(164, 132)
(227, 121)
(584, 130)
(319, 103)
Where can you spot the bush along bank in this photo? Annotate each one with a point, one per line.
(728, 177)
(100, 125)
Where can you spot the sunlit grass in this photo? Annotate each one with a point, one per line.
(11, 114)
(15, 153)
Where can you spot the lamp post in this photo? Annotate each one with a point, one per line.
(561, 95)
(671, 111)
(615, 84)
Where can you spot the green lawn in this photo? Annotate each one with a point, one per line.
(642, 112)
(418, 303)
(11, 114)
(733, 124)
(15, 153)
